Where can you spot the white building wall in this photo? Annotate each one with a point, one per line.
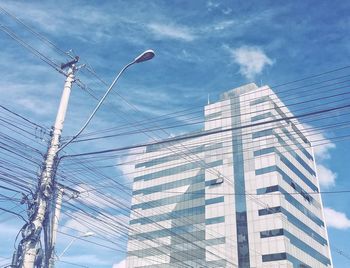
(219, 242)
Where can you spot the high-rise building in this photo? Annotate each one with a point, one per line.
(242, 192)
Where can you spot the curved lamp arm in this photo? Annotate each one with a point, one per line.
(87, 234)
(147, 55)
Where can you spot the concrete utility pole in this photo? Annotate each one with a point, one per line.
(55, 218)
(51, 232)
(29, 254)
(31, 233)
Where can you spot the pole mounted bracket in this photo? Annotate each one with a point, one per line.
(74, 193)
(46, 190)
(70, 63)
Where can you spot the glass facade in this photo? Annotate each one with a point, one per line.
(239, 198)
(239, 187)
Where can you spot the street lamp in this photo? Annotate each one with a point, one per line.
(87, 234)
(145, 56)
(44, 194)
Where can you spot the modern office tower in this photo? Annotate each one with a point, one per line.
(242, 192)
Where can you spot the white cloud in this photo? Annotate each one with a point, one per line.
(326, 176)
(84, 17)
(321, 147)
(336, 219)
(227, 11)
(223, 24)
(185, 55)
(35, 105)
(127, 167)
(20, 86)
(252, 60)
(127, 164)
(107, 225)
(321, 144)
(212, 5)
(91, 196)
(75, 224)
(172, 31)
(89, 259)
(9, 230)
(121, 264)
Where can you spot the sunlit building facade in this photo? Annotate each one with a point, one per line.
(242, 192)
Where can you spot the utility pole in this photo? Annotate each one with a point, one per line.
(28, 248)
(50, 256)
(52, 232)
(28, 254)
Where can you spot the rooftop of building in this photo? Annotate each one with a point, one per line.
(238, 91)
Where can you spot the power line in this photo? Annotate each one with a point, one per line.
(37, 34)
(31, 49)
(212, 132)
(289, 91)
(23, 118)
(158, 119)
(228, 194)
(71, 263)
(14, 213)
(341, 252)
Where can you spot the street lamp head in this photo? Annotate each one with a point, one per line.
(147, 55)
(87, 234)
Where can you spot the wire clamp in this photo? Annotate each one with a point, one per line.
(70, 63)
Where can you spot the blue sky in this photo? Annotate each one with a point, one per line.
(202, 47)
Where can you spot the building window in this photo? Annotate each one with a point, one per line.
(274, 257)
